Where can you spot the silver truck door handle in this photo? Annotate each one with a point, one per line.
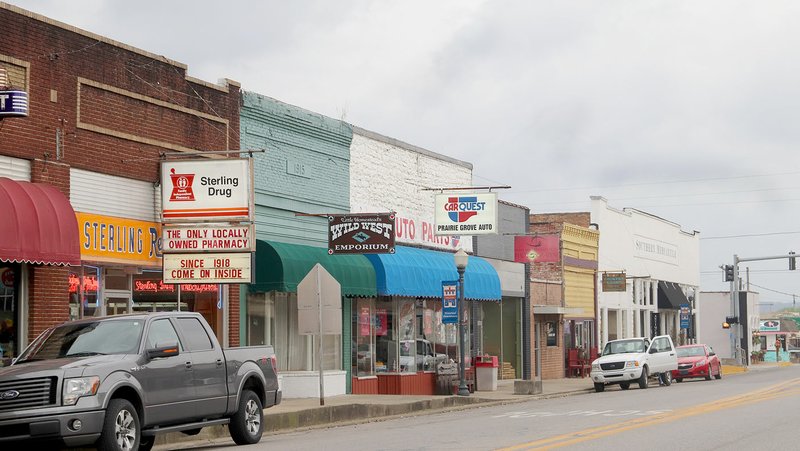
(219, 362)
(671, 353)
(188, 365)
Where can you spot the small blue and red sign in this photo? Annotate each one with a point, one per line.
(13, 104)
(449, 302)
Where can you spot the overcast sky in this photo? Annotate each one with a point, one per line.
(688, 110)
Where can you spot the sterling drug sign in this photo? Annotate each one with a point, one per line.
(206, 190)
(465, 214)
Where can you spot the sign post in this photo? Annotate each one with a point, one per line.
(319, 295)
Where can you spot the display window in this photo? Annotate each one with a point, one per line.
(400, 335)
(96, 291)
(272, 320)
(9, 312)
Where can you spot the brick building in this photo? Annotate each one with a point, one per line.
(101, 116)
(563, 290)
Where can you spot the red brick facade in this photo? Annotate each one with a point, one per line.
(102, 106)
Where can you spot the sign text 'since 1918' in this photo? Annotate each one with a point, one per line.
(208, 268)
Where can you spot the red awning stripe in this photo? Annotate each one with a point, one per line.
(37, 225)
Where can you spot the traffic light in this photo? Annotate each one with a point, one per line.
(728, 273)
(792, 265)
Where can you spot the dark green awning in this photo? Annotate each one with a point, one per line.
(281, 266)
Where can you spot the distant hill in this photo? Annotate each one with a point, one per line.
(775, 307)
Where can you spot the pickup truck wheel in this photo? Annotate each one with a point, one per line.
(121, 431)
(598, 387)
(247, 424)
(643, 378)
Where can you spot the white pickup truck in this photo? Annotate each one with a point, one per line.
(634, 360)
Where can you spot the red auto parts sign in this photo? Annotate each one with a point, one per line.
(206, 190)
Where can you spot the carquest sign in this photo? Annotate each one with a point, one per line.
(206, 190)
(466, 214)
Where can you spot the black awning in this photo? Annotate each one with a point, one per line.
(670, 295)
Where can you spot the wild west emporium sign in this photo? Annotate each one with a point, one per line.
(368, 233)
(465, 214)
(13, 104)
(207, 190)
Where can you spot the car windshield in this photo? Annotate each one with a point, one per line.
(693, 351)
(87, 339)
(624, 346)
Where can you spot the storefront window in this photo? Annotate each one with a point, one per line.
(9, 279)
(406, 315)
(363, 337)
(551, 331)
(392, 335)
(86, 286)
(272, 320)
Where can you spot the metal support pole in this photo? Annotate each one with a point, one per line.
(462, 335)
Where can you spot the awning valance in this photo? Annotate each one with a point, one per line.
(420, 273)
(281, 266)
(38, 225)
(670, 295)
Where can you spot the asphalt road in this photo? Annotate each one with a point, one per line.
(755, 410)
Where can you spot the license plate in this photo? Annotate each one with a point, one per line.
(684, 371)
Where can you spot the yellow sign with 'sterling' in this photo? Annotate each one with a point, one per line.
(121, 240)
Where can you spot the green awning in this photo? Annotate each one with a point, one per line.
(281, 266)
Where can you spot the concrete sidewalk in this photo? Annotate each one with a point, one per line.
(304, 413)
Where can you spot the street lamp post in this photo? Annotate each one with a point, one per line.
(461, 259)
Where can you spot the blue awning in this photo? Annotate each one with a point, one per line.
(419, 273)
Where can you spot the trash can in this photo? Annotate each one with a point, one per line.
(446, 378)
(486, 372)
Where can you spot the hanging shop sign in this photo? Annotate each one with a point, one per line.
(449, 302)
(465, 214)
(207, 190)
(615, 281)
(685, 316)
(119, 240)
(364, 233)
(208, 268)
(208, 238)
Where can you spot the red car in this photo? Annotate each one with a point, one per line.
(697, 361)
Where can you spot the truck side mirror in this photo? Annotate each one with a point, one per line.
(160, 351)
(652, 350)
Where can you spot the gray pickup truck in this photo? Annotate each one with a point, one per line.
(115, 382)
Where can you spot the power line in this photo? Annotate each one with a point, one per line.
(723, 237)
(774, 291)
(664, 182)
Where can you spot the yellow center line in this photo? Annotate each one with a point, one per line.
(571, 438)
